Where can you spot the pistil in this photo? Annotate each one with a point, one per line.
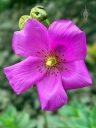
(51, 61)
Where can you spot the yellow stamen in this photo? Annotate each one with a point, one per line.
(51, 61)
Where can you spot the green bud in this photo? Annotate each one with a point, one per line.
(22, 21)
(39, 13)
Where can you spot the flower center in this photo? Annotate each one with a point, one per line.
(51, 61)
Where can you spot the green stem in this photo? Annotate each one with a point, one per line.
(46, 23)
(45, 119)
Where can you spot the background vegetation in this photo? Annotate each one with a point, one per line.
(24, 111)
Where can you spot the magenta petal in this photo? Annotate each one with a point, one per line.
(66, 34)
(31, 40)
(23, 75)
(51, 92)
(75, 75)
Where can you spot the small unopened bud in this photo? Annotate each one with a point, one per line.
(39, 13)
(22, 21)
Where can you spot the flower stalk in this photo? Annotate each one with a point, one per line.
(46, 23)
(45, 120)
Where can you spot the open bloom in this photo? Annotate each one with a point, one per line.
(54, 61)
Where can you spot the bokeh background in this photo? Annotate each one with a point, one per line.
(24, 111)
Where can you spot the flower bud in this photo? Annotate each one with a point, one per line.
(22, 21)
(39, 13)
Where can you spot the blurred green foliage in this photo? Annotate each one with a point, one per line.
(75, 114)
(24, 111)
(12, 119)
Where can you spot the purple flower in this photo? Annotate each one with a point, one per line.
(54, 61)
